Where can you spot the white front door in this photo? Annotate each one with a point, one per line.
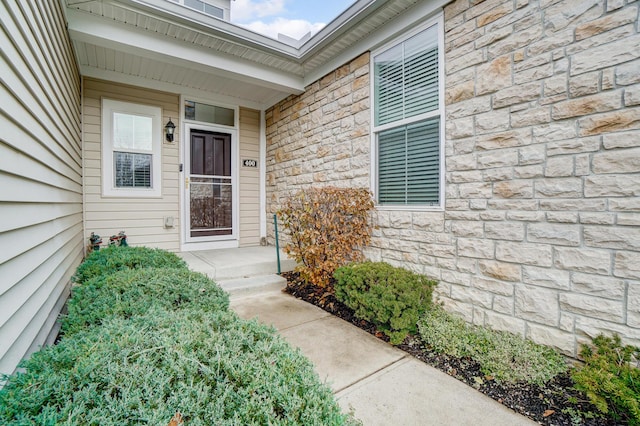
(210, 186)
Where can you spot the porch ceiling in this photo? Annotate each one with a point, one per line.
(158, 43)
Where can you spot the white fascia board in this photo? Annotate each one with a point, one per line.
(95, 30)
(211, 25)
(404, 22)
(117, 77)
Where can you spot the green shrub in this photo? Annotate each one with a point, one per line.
(214, 368)
(505, 356)
(391, 298)
(115, 258)
(610, 379)
(328, 226)
(134, 291)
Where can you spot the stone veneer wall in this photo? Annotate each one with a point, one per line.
(541, 231)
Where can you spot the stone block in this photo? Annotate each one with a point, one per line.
(591, 327)
(602, 102)
(460, 128)
(597, 285)
(475, 190)
(626, 119)
(590, 306)
(490, 122)
(627, 265)
(467, 229)
(503, 304)
(633, 305)
(621, 140)
(573, 146)
(555, 85)
(517, 94)
(524, 253)
(600, 57)
(475, 248)
(565, 13)
(534, 154)
(559, 187)
(612, 237)
(494, 14)
(584, 84)
(559, 167)
(502, 158)
(508, 139)
(498, 174)
(550, 336)
(606, 23)
(554, 132)
(618, 161)
(528, 172)
(627, 74)
(573, 204)
(494, 75)
(428, 221)
(590, 218)
(516, 41)
(399, 219)
(460, 92)
(511, 231)
(500, 271)
(564, 235)
(454, 277)
(625, 204)
(469, 107)
(472, 296)
(525, 216)
(506, 323)
(546, 277)
(537, 304)
(612, 186)
(531, 117)
(582, 260)
(513, 189)
(628, 219)
(632, 96)
(532, 74)
(562, 217)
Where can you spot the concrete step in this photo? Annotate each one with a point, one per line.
(239, 287)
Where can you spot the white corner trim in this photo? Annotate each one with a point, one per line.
(263, 175)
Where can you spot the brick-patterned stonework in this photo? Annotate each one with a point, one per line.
(541, 230)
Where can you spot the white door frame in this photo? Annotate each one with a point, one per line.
(188, 243)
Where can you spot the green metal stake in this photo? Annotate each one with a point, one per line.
(275, 222)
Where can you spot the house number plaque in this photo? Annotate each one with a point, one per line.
(249, 163)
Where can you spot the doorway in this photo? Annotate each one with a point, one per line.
(209, 186)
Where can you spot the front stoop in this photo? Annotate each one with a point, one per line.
(241, 270)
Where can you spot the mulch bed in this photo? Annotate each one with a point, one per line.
(551, 404)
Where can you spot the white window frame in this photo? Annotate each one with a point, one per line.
(440, 112)
(109, 189)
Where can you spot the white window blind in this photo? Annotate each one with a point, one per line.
(407, 121)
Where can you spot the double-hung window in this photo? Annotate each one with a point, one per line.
(131, 149)
(407, 120)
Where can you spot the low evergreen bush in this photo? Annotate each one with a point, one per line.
(131, 292)
(504, 356)
(115, 258)
(610, 378)
(391, 298)
(213, 367)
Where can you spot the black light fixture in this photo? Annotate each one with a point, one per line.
(169, 129)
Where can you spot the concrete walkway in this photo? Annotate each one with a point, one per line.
(381, 384)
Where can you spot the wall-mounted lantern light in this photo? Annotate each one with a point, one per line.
(169, 129)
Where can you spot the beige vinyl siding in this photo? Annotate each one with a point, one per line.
(40, 175)
(142, 219)
(249, 178)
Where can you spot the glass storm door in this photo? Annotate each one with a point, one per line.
(210, 190)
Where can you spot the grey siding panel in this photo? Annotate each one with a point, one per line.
(40, 174)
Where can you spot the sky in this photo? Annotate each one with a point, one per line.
(293, 18)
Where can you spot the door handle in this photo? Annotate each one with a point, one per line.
(186, 183)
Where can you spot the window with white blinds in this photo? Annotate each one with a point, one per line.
(131, 149)
(407, 123)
